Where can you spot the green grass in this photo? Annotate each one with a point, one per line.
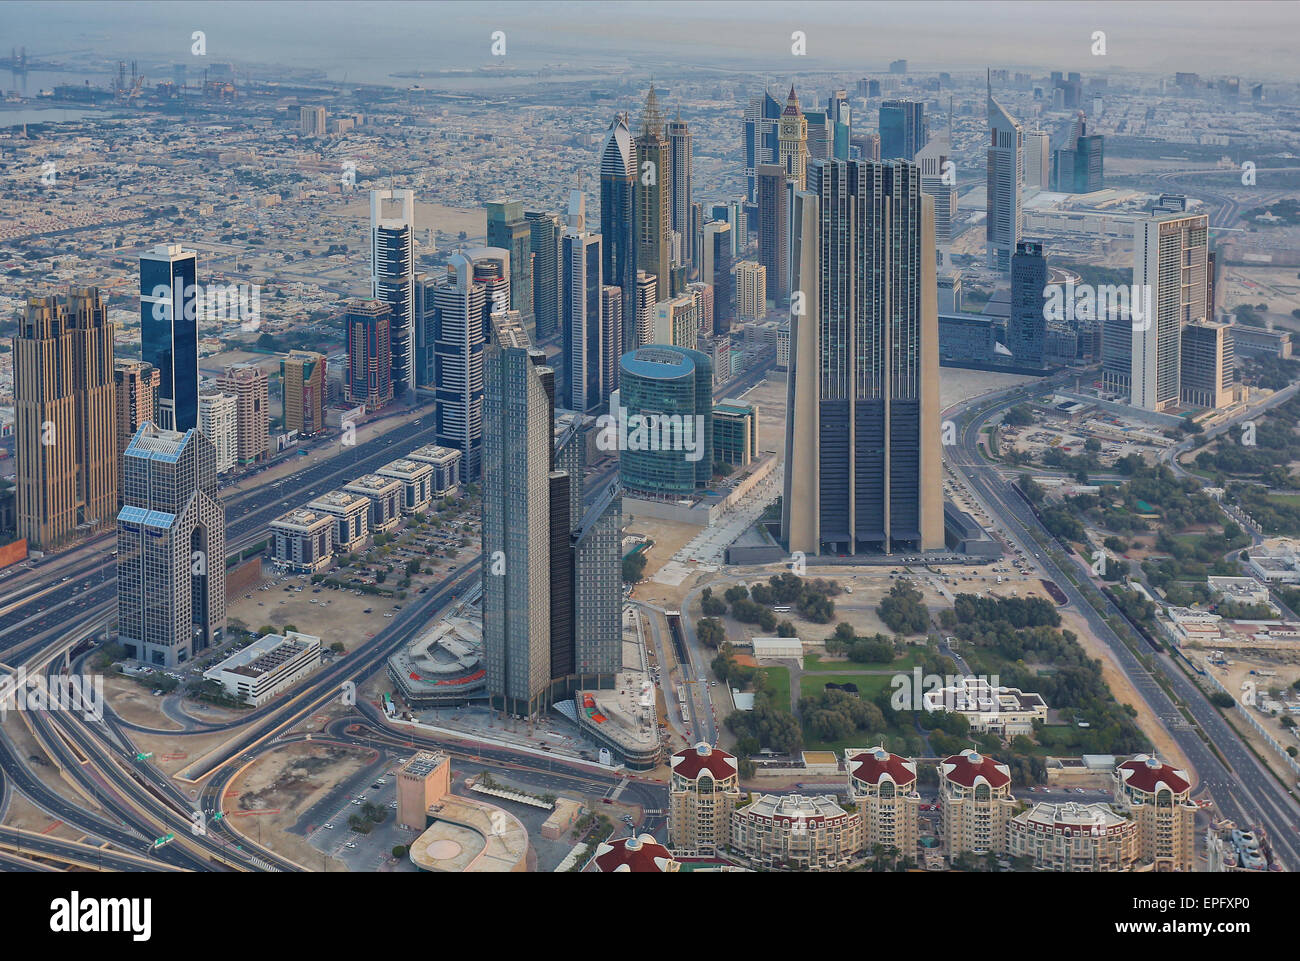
(814, 662)
(869, 685)
(778, 682)
(1291, 500)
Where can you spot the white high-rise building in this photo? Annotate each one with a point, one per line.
(392, 278)
(581, 280)
(1005, 174)
(1169, 275)
(1038, 159)
(219, 423)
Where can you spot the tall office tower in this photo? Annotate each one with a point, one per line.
(819, 134)
(866, 145)
(545, 230)
(369, 377)
(312, 121)
(1211, 281)
(774, 190)
(1169, 271)
(65, 421)
(792, 141)
(715, 269)
(863, 387)
(676, 383)
(508, 229)
(1038, 159)
(841, 124)
(171, 548)
(932, 158)
(734, 216)
(517, 457)
(647, 293)
(653, 197)
(492, 270)
(169, 331)
(581, 282)
(248, 384)
(392, 280)
(677, 321)
(902, 129)
(219, 423)
(302, 377)
(1209, 371)
(611, 339)
(135, 393)
(751, 290)
(1078, 167)
(1027, 326)
(598, 591)
(702, 295)
(1005, 173)
(679, 154)
(618, 173)
(460, 308)
(762, 117)
(1117, 353)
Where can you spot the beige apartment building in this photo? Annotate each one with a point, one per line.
(422, 781)
(751, 290)
(1157, 796)
(1074, 837)
(796, 833)
(135, 398)
(977, 804)
(65, 420)
(302, 375)
(883, 786)
(703, 791)
(248, 384)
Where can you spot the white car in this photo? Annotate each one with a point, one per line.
(350, 845)
(328, 827)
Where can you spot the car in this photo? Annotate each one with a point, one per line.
(355, 801)
(382, 781)
(392, 804)
(350, 844)
(328, 827)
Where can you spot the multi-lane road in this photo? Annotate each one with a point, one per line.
(1241, 788)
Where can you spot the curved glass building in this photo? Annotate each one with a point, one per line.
(665, 425)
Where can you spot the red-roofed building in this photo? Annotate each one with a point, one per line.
(638, 854)
(883, 785)
(977, 803)
(1157, 796)
(703, 791)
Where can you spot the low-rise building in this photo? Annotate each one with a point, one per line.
(735, 432)
(416, 479)
(351, 514)
(975, 792)
(796, 833)
(883, 785)
(446, 464)
(267, 666)
(1074, 837)
(703, 791)
(990, 709)
(384, 494)
(303, 540)
(423, 781)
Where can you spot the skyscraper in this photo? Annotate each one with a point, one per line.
(841, 124)
(647, 292)
(517, 462)
(545, 230)
(1209, 373)
(171, 545)
(302, 376)
(65, 422)
(864, 364)
(392, 280)
(762, 116)
(248, 384)
(584, 350)
(460, 310)
(751, 290)
(1077, 167)
(1038, 159)
(679, 154)
(135, 388)
(939, 183)
(653, 197)
(665, 388)
(169, 331)
(618, 173)
(902, 129)
(219, 423)
(1005, 172)
(716, 270)
(1027, 325)
(1169, 271)
(774, 185)
(369, 377)
(508, 229)
(792, 141)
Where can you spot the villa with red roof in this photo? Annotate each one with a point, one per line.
(1158, 797)
(975, 791)
(883, 785)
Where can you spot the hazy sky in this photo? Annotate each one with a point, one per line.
(371, 39)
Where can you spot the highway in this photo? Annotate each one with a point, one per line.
(1242, 790)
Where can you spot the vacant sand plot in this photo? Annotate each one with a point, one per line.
(134, 703)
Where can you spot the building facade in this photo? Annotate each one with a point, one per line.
(975, 791)
(883, 786)
(1169, 272)
(392, 280)
(668, 395)
(1073, 837)
(169, 331)
(303, 377)
(1004, 177)
(248, 384)
(1027, 325)
(219, 423)
(369, 378)
(796, 833)
(653, 197)
(1157, 796)
(703, 792)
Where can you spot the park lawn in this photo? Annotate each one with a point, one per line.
(815, 662)
(1291, 500)
(869, 685)
(778, 683)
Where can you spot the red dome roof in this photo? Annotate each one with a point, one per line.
(1148, 773)
(689, 762)
(968, 767)
(871, 767)
(634, 854)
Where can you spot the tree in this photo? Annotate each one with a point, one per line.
(710, 632)
(633, 567)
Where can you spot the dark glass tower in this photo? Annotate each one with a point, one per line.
(1027, 327)
(902, 129)
(617, 214)
(169, 332)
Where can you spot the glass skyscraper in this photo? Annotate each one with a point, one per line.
(618, 214)
(169, 332)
